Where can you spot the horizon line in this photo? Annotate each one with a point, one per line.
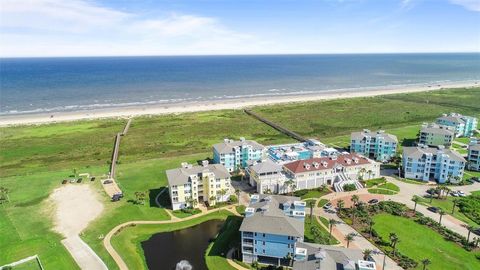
(253, 54)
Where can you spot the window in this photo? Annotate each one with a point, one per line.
(263, 235)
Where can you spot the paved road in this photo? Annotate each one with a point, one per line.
(407, 191)
(341, 230)
(85, 257)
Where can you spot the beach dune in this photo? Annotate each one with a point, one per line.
(158, 109)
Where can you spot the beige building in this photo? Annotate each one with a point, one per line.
(434, 135)
(191, 185)
(335, 171)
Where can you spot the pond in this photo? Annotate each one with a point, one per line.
(165, 250)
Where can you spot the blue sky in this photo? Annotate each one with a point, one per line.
(196, 27)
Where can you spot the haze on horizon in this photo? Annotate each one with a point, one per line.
(42, 28)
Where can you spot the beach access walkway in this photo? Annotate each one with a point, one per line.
(276, 126)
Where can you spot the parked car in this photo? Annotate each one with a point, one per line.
(327, 206)
(116, 198)
(107, 182)
(461, 193)
(433, 209)
(92, 178)
(454, 193)
(79, 180)
(476, 179)
(373, 201)
(64, 181)
(73, 180)
(476, 231)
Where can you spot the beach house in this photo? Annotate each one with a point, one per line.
(272, 233)
(267, 176)
(378, 145)
(432, 163)
(190, 185)
(236, 154)
(434, 135)
(335, 171)
(464, 126)
(272, 227)
(474, 155)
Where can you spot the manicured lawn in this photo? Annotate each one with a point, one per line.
(447, 206)
(187, 213)
(323, 237)
(419, 242)
(322, 202)
(240, 209)
(311, 193)
(374, 182)
(127, 242)
(463, 140)
(476, 192)
(470, 174)
(381, 191)
(411, 181)
(228, 237)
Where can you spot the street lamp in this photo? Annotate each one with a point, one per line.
(320, 255)
(378, 252)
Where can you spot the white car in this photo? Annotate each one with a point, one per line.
(454, 193)
(461, 193)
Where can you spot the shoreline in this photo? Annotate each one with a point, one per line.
(212, 105)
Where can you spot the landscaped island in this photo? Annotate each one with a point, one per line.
(35, 159)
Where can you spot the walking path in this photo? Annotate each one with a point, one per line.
(118, 259)
(83, 255)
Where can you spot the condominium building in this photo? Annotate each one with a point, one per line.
(267, 176)
(190, 185)
(432, 163)
(236, 154)
(464, 126)
(474, 155)
(335, 171)
(378, 145)
(311, 148)
(272, 233)
(433, 135)
(272, 227)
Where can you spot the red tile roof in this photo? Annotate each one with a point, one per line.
(325, 163)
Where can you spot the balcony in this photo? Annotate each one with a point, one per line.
(248, 234)
(247, 250)
(247, 242)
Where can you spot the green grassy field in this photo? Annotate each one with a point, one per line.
(447, 206)
(127, 242)
(34, 159)
(324, 236)
(419, 242)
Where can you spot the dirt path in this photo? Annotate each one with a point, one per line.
(76, 206)
(118, 259)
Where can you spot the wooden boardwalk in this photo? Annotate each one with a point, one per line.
(285, 131)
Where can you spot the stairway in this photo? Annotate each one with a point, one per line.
(345, 180)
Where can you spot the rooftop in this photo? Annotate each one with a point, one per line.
(180, 176)
(269, 217)
(326, 163)
(437, 129)
(421, 150)
(452, 117)
(265, 167)
(380, 133)
(227, 146)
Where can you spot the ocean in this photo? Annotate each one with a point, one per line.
(36, 85)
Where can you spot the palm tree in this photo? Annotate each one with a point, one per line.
(213, 198)
(425, 262)
(367, 253)
(441, 213)
(237, 192)
(222, 193)
(415, 199)
(370, 224)
(290, 183)
(455, 202)
(369, 172)
(355, 199)
(311, 204)
(350, 238)
(393, 242)
(447, 191)
(332, 222)
(340, 204)
(4, 195)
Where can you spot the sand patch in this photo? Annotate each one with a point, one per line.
(76, 206)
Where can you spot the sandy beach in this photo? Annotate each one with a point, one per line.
(158, 109)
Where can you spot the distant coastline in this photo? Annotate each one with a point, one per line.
(222, 104)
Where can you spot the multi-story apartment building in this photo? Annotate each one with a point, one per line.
(311, 148)
(335, 171)
(464, 126)
(272, 233)
(267, 176)
(236, 154)
(190, 185)
(432, 163)
(434, 135)
(378, 145)
(272, 227)
(474, 155)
